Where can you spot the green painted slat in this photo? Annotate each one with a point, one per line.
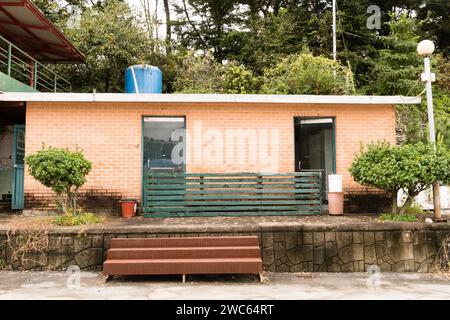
(218, 192)
(222, 186)
(230, 203)
(160, 181)
(225, 214)
(248, 174)
(228, 208)
(234, 197)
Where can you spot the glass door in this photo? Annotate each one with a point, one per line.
(315, 147)
(164, 144)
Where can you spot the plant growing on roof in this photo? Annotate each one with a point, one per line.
(61, 170)
(412, 167)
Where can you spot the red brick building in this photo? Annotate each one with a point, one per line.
(126, 134)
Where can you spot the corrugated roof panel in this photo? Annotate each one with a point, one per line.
(24, 15)
(48, 36)
(23, 24)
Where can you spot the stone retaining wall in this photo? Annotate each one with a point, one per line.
(284, 249)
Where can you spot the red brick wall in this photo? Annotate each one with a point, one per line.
(110, 135)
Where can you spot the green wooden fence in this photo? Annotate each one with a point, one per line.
(231, 194)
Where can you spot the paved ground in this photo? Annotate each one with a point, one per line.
(61, 285)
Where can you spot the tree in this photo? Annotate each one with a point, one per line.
(56, 11)
(264, 41)
(397, 69)
(435, 24)
(257, 34)
(412, 122)
(61, 170)
(202, 24)
(412, 167)
(203, 74)
(198, 74)
(151, 20)
(305, 74)
(238, 79)
(111, 40)
(168, 27)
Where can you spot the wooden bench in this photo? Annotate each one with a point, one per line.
(183, 256)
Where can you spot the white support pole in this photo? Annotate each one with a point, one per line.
(430, 110)
(334, 30)
(432, 133)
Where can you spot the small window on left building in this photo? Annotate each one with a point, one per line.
(164, 144)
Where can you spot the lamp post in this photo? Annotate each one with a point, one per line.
(425, 48)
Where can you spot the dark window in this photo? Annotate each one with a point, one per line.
(164, 144)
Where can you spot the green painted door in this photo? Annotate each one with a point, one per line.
(18, 162)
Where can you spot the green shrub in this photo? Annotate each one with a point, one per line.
(398, 218)
(412, 167)
(61, 170)
(238, 80)
(415, 209)
(203, 74)
(71, 219)
(307, 74)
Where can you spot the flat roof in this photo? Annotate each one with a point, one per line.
(206, 98)
(24, 25)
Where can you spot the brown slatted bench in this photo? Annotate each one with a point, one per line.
(183, 256)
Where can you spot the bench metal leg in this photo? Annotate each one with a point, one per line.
(261, 277)
(107, 278)
(184, 278)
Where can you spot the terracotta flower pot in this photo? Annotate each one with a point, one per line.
(128, 208)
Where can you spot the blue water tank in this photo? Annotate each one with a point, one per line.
(143, 79)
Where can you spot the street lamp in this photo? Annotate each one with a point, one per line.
(425, 48)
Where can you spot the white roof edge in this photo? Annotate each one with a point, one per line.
(204, 98)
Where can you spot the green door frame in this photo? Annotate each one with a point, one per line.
(18, 197)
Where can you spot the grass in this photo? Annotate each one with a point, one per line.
(77, 219)
(2, 264)
(398, 217)
(415, 209)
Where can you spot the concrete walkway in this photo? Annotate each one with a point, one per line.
(61, 285)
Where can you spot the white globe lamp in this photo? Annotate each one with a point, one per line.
(425, 48)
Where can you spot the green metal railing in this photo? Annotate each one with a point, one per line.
(19, 65)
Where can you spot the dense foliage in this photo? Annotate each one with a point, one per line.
(253, 46)
(61, 170)
(306, 74)
(411, 167)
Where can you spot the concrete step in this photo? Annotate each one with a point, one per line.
(184, 242)
(182, 266)
(184, 253)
